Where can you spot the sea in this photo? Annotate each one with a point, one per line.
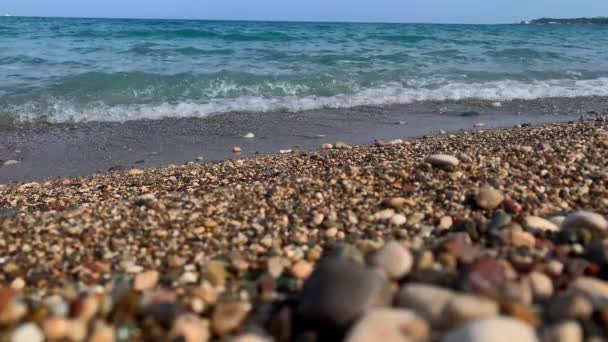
(58, 70)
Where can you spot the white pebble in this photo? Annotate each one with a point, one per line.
(28, 332)
(501, 329)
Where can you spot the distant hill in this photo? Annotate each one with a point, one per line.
(572, 21)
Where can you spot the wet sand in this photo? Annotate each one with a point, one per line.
(53, 150)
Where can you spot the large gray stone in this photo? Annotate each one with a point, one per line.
(338, 291)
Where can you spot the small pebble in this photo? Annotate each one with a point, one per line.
(398, 220)
(392, 325)
(11, 162)
(500, 329)
(542, 286)
(446, 222)
(427, 300)
(227, 317)
(27, 332)
(146, 280)
(302, 269)
(539, 223)
(190, 328)
(136, 172)
(394, 259)
(586, 219)
(275, 267)
(489, 198)
(397, 202)
(568, 331)
(466, 308)
(385, 214)
(443, 161)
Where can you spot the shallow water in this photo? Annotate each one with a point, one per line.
(74, 70)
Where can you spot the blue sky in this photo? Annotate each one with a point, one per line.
(428, 11)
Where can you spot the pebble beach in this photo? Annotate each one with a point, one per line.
(486, 235)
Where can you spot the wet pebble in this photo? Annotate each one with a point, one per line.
(11, 162)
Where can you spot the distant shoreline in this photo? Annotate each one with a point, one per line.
(568, 21)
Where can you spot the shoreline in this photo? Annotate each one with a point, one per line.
(46, 151)
(503, 236)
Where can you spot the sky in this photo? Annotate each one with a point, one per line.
(420, 11)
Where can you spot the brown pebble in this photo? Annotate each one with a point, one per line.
(227, 317)
(302, 269)
(145, 280)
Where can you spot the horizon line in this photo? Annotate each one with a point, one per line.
(8, 15)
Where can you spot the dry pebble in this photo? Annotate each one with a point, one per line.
(348, 242)
(391, 325)
(466, 308)
(395, 260)
(568, 331)
(443, 161)
(539, 223)
(227, 317)
(542, 285)
(500, 329)
(28, 332)
(136, 172)
(302, 269)
(489, 198)
(427, 300)
(398, 220)
(446, 222)
(146, 280)
(586, 219)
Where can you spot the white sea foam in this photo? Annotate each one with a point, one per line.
(387, 94)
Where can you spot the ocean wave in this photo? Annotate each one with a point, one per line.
(526, 54)
(237, 36)
(59, 110)
(402, 38)
(23, 59)
(184, 51)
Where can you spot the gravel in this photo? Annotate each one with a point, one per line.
(509, 242)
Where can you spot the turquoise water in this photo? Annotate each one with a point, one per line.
(61, 70)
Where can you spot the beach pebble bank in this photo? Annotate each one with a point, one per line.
(354, 243)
